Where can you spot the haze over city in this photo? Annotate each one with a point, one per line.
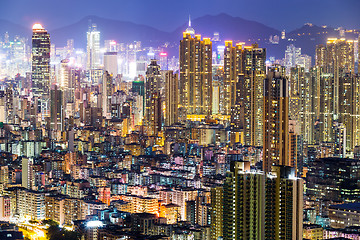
(167, 15)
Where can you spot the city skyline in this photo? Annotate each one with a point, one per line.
(296, 13)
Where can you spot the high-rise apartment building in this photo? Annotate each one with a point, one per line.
(232, 68)
(355, 139)
(65, 74)
(336, 65)
(107, 91)
(171, 98)
(302, 96)
(243, 200)
(217, 210)
(27, 173)
(256, 205)
(252, 94)
(296, 148)
(218, 82)
(276, 119)
(57, 110)
(27, 203)
(283, 204)
(153, 109)
(195, 75)
(296, 80)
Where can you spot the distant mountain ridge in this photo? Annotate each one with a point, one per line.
(229, 28)
(13, 29)
(123, 31)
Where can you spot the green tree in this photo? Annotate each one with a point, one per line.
(54, 232)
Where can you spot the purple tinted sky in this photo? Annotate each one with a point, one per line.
(169, 14)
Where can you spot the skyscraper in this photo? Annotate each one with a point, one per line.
(292, 54)
(283, 204)
(68, 83)
(232, 68)
(218, 82)
(252, 94)
(110, 63)
(302, 96)
(243, 216)
(195, 75)
(295, 147)
(217, 210)
(336, 65)
(107, 91)
(40, 70)
(171, 98)
(257, 205)
(295, 81)
(276, 119)
(93, 52)
(153, 108)
(57, 110)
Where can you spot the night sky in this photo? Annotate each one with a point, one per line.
(169, 14)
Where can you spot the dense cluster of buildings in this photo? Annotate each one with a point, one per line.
(204, 148)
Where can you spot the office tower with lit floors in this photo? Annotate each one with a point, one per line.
(69, 83)
(111, 63)
(93, 54)
(153, 109)
(195, 75)
(40, 67)
(254, 71)
(276, 119)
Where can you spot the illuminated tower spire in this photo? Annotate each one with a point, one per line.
(190, 29)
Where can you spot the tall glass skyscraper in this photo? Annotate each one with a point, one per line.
(93, 53)
(40, 61)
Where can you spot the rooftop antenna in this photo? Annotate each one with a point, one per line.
(189, 21)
